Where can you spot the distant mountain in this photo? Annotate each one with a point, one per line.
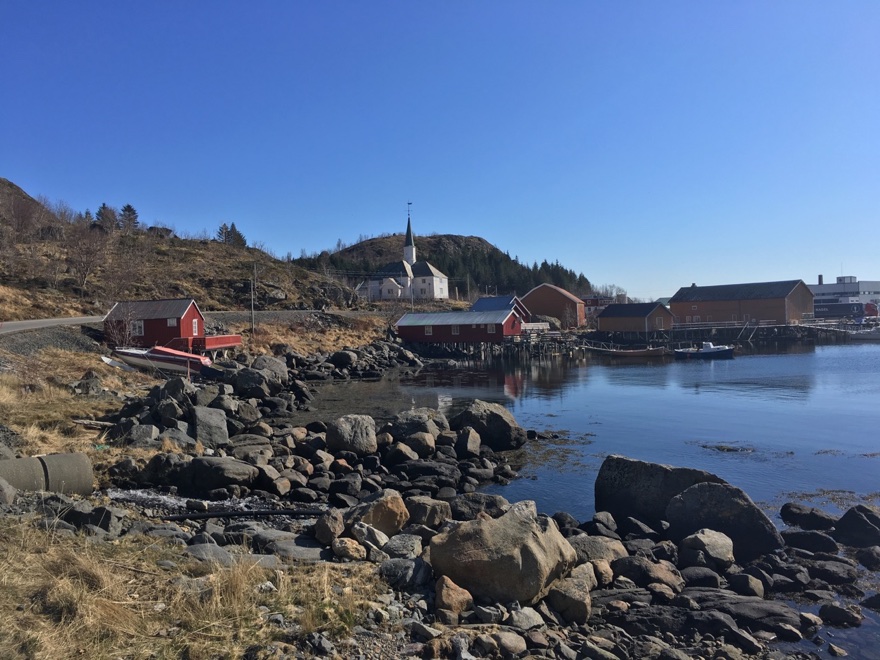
(471, 263)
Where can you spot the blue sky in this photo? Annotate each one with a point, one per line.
(646, 144)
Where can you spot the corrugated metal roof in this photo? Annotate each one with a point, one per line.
(129, 310)
(415, 319)
(723, 292)
(493, 303)
(634, 310)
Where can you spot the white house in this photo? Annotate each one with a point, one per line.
(407, 279)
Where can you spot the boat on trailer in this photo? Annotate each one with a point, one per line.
(161, 358)
(707, 351)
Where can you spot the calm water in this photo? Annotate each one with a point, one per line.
(802, 424)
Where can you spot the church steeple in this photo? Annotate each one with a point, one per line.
(409, 246)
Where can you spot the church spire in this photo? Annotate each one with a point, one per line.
(409, 246)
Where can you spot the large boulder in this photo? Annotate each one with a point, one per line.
(726, 509)
(354, 433)
(206, 473)
(209, 427)
(493, 422)
(626, 487)
(515, 557)
(859, 527)
(275, 368)
(717, 548)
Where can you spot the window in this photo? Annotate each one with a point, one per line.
(136, 328)
(195, 327)
(423, 291)
(172, 323)
(429, 331)
(455, 329)
(490, 328)
(693, 307)
(658, 322)
(424, 280)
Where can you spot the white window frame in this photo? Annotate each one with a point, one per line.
(136, 328)
(429, 330)
(490, 328)
(172, 323)
(195, 327)
(455, 330)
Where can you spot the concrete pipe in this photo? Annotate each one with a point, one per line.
(58, 473)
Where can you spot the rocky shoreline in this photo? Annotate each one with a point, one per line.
(676, 563)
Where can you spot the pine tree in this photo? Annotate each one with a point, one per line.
(223, 233)
(128, 218)
(236, 238)
(106, 216)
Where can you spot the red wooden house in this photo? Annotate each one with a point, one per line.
(176, 323)
(457, 327)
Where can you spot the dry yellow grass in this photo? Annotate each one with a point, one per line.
(306, 336)
(65, 597)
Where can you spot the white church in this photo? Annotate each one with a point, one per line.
(408, 279)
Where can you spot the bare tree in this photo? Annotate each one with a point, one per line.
(87, 252)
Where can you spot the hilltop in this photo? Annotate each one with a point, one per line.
(472, 264)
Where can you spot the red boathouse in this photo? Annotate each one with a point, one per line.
(460, 327)
(176, 323)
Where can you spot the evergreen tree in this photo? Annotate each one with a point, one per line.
(128, 218)
(223, 233)
(236, 238)
(107, 217)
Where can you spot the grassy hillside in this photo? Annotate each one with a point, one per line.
(56, 262)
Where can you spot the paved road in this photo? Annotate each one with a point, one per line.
(17, 326)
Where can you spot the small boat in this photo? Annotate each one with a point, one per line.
(864, 335)
(708, 351)
(650, 351)
(162, 359)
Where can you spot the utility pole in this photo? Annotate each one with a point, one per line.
(253, 286)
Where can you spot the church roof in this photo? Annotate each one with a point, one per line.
(409, 235)
(403, 269)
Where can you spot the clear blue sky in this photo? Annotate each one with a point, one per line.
(645, 144)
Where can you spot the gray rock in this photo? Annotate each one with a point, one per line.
(209, 427)
(643, 571)
(726, 509)
(493, 422)
(525, 618)
(403, 546)
(207, 473)
(428, 511)
(354, 433)
(211, 553)
(859, 527)
(806, 517)
(468, 505)
(629, 488)
(810, 540)
(716, 547)
(835, 614)
(275, 366)
(590, 548)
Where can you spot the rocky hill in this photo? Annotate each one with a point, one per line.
(472, 264)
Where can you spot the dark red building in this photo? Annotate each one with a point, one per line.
(454, 327)
(176, 323)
